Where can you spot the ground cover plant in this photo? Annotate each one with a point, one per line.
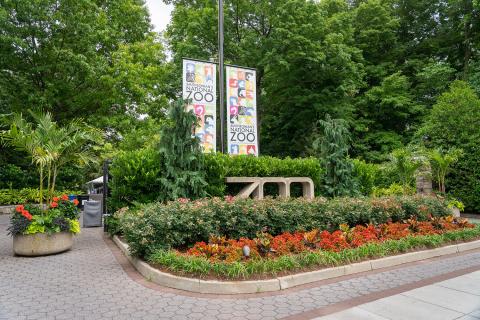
(182, 223)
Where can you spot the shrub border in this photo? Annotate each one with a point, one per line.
(284, 282)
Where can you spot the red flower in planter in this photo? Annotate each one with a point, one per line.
(56, 199)
(26, 214)
(64, 197)
(54, 204)
(19, 208)
(75, 202)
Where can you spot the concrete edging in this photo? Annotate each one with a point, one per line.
(285, 282)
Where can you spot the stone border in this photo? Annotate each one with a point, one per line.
(285, 282)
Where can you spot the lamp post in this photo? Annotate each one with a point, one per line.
(221, 80)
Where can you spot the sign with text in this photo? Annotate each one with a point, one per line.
(199, 89)
(241, 111)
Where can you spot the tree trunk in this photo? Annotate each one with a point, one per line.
(41, 187)
(54, 178)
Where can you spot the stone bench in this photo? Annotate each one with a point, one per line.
(254, 186)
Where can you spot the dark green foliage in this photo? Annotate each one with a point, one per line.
(183, 173)
(13, 176)
(18, 224)
(332, 148)
(455, 122)
(178, 225)
(135, 178)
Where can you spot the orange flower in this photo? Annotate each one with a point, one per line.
(64, 197)
(19, 208)
(54, 205)
(26, 214)
(75, 202)
(56, 199)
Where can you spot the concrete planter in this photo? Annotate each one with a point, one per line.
(41, 244)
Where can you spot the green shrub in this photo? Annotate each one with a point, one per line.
(453, 123)
(135, 178)
(178, 225)
(27, 195)
(394, 189)
(218, 166)
(366, 175)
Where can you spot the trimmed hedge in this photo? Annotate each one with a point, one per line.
(135, 178)
(220, 165)
(27, 195)
(136, 174)
(179, 225)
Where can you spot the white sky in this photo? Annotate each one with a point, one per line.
(159, 14)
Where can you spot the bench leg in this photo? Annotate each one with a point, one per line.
(258, 192)
(308, 190)
(284, 189)
(248, 190)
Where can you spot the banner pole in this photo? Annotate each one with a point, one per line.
(220, 73)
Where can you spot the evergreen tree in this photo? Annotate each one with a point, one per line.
(332, 147)
(184, 176)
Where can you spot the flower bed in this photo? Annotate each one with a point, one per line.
(181, 224)
(302, 251)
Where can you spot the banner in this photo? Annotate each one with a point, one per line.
(199, 88)
(241, 111)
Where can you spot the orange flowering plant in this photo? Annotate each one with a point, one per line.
(61, 216)
(268, 246)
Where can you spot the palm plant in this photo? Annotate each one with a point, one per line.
(405, 164)
(51, 146)
(441, 163)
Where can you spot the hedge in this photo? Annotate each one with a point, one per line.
(220, 165)
(135, 178)
(27, 195)
(136, 174)
(180, 225)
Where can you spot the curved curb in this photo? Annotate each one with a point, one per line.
(285, 282)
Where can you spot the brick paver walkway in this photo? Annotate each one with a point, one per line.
(89, 283)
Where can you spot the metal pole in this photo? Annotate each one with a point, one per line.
(106, 165)
(221, 81)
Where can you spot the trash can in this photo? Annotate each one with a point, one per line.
(92, 214)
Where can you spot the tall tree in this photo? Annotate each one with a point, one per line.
(68, 56)
(454, 123)
(313, 69)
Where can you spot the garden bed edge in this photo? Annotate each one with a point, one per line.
(284, 282)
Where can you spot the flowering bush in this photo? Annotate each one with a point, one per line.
(268, 246)
(61, 216)
(180, 224)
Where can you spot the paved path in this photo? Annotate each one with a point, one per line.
(457, 298)
(88, 282)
